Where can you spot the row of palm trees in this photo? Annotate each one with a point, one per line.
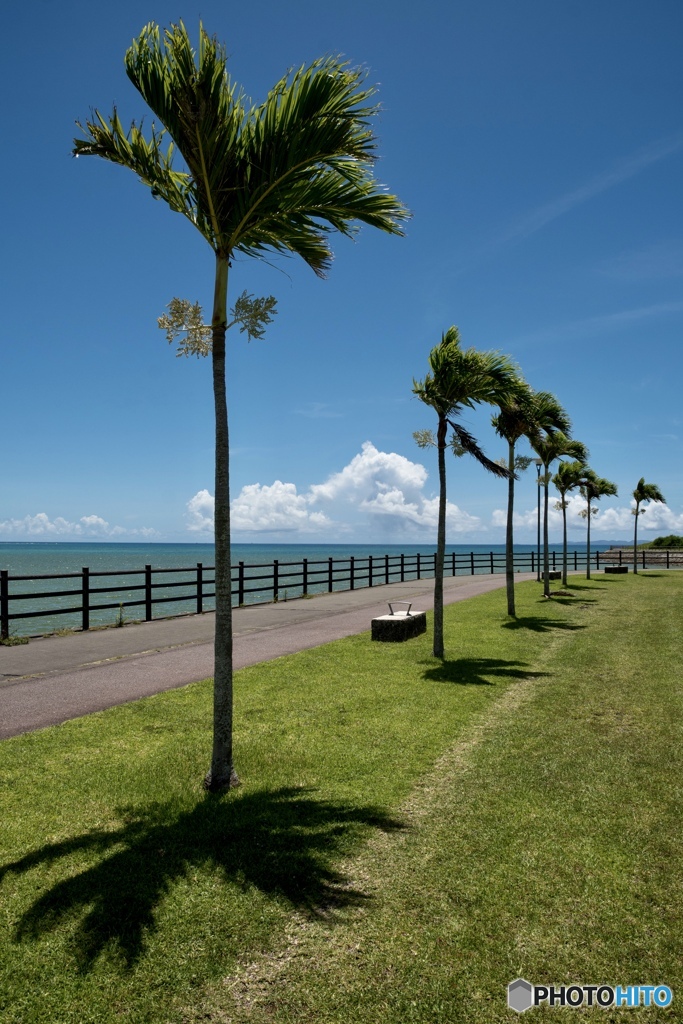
(280, 176)
(461, 378)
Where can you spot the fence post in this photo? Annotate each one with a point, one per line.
(576, 555)
(240, 585)
(329, 576)
(643, 558)
(472, 561)
(85, 593)
(532, 561)
(554, 561)
(369, 570)
(148, 593)
(276, 579)
(4, 604)
(352, 572)
(492, 570)
(305, 582)
(386, 568)
(597, 560)
(403, 568)
(667, 558)
(453, 563)
(200, 592)
(418, 566)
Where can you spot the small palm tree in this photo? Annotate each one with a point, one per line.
(567, 477)
(593, 487)
(531, 413)
(643, 492)
(278, 177)
(549, 448)
(459, 379)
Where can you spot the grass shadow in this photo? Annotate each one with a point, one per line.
(475, 671)
(570, 599)
(541, 624)
(283, 842)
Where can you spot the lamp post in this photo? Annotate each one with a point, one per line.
(538, 463)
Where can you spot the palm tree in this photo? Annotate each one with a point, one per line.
(567, 477)
(459, 379)
(593, 487)
(529, 414)
(549, 448)
(276, 177)
(643, 492)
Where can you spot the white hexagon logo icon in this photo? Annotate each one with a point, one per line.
(520, 995)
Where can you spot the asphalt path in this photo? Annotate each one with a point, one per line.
(54, 679)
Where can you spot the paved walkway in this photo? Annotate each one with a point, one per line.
(53, 679)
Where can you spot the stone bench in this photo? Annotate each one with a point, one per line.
(616, 568)
(399, 626)
(553, 574)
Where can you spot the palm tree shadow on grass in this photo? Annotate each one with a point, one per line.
(283, 842)
(542, 624)
(476, 671)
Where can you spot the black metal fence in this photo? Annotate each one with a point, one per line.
(182, 589)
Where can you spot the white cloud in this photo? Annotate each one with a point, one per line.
(380, 492)
(276, 507)
(610, 521)
(258, 509)
(41, 525)
(200, 513)
(368, 474)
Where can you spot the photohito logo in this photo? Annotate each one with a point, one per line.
(522, 995)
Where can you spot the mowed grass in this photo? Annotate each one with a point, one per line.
(410, 835)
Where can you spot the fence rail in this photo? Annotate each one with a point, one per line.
(253, 583)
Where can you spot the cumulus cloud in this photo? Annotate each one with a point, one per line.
(380, 491)
(610, 521)
(258, 509)
(41, 525)
(275, 507)
(200, 513)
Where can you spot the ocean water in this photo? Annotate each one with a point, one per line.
(175, 587)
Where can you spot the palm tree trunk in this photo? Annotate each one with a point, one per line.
(546, 555)
(222, 774)
(635, 540)
(588, 543)
(564, 539)
(440, 542)
(509, 540)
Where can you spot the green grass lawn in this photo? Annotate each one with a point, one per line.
(410, 836)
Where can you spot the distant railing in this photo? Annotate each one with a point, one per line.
(251, 584)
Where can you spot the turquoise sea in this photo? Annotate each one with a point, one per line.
(33, 559)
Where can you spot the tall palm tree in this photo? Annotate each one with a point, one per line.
(256, 179)
(643, 492)
(566, 479)
(530, 413)
(593, 487)
(549, 448)
(459, 379)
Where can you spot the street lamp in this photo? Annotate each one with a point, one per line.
(538, 463)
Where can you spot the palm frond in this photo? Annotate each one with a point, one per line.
(553, 446)
(275, 177)
(469, 444)
(647, 492)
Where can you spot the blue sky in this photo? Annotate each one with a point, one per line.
(540, 149)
